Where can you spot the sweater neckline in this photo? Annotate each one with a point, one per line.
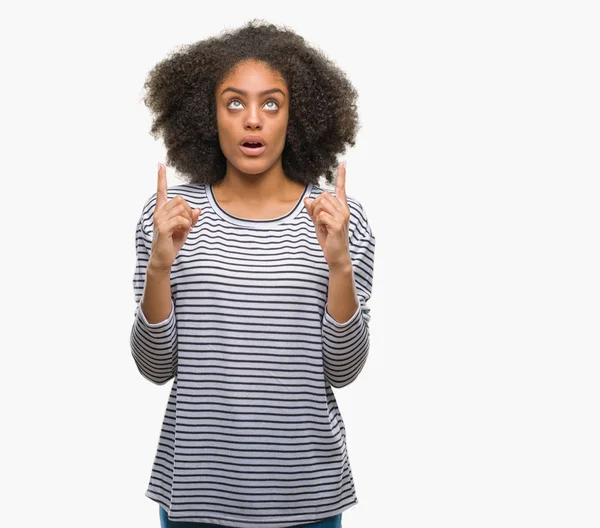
(250, 222)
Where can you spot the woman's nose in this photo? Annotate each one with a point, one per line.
(253, 118)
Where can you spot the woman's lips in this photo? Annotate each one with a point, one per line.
(256, 151)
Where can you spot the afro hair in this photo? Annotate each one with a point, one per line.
(180, 92)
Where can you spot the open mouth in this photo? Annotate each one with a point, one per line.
(252, 149)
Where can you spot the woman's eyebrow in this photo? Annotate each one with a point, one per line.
(242, 92)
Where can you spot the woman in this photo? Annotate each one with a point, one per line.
(252, 283)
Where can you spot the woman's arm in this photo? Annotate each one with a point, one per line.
(153, 336)
(345, 327)
(341, 295)
(156, 299)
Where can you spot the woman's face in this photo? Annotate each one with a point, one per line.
(252, 101)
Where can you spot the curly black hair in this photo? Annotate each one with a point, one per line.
(180, 92)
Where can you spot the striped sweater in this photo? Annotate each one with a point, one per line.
(252, 435)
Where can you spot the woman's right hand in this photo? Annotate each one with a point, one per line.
(173, 221)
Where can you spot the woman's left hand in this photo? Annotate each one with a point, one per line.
(331, 217)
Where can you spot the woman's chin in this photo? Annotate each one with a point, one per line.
(253, 166)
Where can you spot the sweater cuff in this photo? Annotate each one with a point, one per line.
(349, 322)
(160, 324)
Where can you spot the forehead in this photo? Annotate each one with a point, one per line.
(253, 76)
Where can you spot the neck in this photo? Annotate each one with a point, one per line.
(263, 187)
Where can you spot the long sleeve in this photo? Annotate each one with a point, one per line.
(153, 345)
(346, 345)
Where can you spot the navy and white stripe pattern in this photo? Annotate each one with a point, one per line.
(252, 435)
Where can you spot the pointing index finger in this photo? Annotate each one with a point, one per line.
(340, 183)
(161, 191)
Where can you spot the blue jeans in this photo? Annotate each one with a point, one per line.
(330, 522)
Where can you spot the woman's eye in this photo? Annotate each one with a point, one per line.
(234, 101)
(274, 102)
